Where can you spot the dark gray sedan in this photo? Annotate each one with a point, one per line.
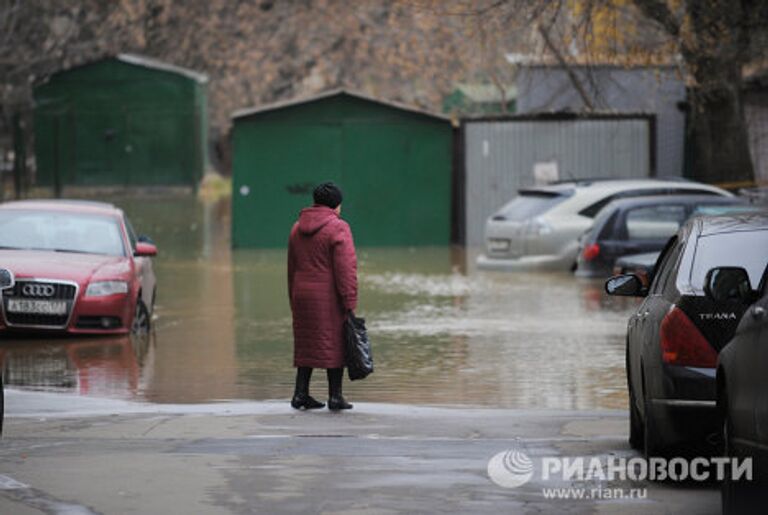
(639, 225)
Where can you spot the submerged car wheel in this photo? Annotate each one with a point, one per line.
(141, 320)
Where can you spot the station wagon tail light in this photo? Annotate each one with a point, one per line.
(683, 344)
(591, 252)
(539, 227)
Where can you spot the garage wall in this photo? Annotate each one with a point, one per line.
(658, 90)
(111, 123)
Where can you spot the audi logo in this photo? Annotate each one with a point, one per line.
(38, 290)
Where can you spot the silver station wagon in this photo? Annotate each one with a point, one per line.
(539, 229)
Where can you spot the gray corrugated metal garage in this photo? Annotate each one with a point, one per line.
(658, 90)
(500, 154)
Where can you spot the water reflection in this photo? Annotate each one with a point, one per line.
(443, 332)
(114, 366)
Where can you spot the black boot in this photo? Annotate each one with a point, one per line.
(335, 399)
(301, 397)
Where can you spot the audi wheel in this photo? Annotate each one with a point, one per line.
(141, 321)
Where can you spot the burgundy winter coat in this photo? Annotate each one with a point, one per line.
(322, 286)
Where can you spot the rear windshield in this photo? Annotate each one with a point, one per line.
(745, 249)
(529, 204)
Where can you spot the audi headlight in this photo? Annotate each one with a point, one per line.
(102, 288)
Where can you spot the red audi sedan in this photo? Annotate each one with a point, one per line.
(79, 268)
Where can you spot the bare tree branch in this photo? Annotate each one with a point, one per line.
(567, 67)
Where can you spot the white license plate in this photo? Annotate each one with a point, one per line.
(498, 245)
(37, 307)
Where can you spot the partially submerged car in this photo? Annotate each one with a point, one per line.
(539, 229)
(639, 225)
(79, 268)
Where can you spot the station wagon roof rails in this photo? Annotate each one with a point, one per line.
(586, 181)
(591, 180)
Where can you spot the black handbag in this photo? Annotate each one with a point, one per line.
(357, 348)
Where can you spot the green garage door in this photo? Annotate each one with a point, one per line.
(394, 166)
(98, 144)
(155, 148)
(281, 172)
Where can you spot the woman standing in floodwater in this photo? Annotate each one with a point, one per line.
(322, 288)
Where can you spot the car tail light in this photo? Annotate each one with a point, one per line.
(591, 252)
(682, 343)
(538, 227)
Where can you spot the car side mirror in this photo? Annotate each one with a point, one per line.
(143, 238)
(144, 249)
(625, 285)
(7, 279)
(728, 284)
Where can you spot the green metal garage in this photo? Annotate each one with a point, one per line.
(125, 120)
(393, 163)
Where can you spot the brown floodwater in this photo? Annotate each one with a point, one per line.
(442, 332)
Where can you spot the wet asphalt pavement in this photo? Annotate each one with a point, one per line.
(94, 456)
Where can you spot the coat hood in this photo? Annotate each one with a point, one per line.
(312, 219)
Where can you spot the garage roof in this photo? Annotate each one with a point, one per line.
(137, 60)
(242, 113)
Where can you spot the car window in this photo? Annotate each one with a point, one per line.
(131, 232)
(745, 249)
(662, 269)
(688, 191)
(529, 204)
(608, 228)
(654, 222)
(592, 210)
(669, 283)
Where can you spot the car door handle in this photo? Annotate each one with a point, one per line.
(644, 314)
(758, 312)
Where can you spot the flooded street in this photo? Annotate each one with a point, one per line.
(442, 332)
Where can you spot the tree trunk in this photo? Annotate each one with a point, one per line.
(718, 132)
(713, 38)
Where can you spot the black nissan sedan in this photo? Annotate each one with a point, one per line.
(639, 225)
(674, 337)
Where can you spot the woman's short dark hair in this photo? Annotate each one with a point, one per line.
(327, 194)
